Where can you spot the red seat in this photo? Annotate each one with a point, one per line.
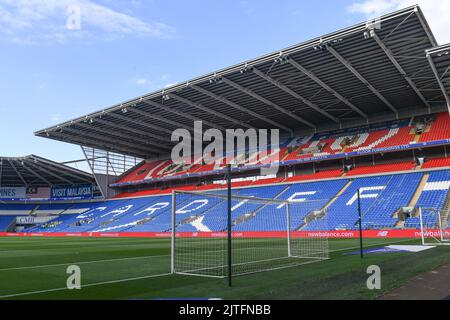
(436, 163)
(381, 168)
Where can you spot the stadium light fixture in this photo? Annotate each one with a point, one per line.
(214, 80)
(282, 59)
(369, 34)
(245, 69)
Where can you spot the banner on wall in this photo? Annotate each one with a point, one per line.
(31, 220)
(12, 193)
(84, 191)
(38, 193)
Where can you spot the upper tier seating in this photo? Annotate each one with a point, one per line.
(440, 129)
(382, 168)
(436, 163)
(351, 140)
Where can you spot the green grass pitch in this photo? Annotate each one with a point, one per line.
(138, 268)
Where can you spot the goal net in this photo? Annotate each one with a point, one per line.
(434, 226)
(266, 234)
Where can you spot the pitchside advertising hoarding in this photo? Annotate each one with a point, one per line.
(84, 191)
(332, 234)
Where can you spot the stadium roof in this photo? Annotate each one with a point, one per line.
(439, 61)
(374, 71)
(34, 171)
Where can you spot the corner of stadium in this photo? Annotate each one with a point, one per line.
(363, 180)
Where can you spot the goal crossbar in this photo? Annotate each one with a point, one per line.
(234, 197)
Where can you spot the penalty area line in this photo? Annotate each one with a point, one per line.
(84, 286)
(82, 262)
(372, 245)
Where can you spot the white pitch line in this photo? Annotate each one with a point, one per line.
(372, 245)
(81, 262)
(84, 286)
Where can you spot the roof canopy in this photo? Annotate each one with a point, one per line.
(439, 61)
(34, 171)
(371, 72)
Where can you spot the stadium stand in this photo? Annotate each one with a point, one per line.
(392, 145)
(439, 129)
(317, 188)
(436, 163)
(16, 209)
(381, 197)
(5, 222)
(316, 176)
(433, 196)
(391, 135)
(382, 168)
(312, 196)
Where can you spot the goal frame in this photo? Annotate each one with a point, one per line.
(287, 204)
(440, 238)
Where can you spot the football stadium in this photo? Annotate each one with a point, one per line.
(359, 124)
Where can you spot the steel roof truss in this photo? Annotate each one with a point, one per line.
(348, 65)
(267, 102)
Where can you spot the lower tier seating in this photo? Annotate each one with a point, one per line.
(5, 222)
(381, 197)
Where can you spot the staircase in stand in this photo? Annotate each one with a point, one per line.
(319, 214)
(251, 215)
(402, 213)
(445, 212)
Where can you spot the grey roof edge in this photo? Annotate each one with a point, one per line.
(50, 162)
(438, 49)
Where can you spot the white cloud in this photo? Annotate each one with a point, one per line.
(56, 117)
(34, 21)
(142, 81)
(373, 8)
(436, 11)
(157, 82)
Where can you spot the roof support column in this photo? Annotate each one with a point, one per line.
(439, 80)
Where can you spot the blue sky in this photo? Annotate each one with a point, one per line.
(128, 48)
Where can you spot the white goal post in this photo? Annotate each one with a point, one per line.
(265, 234)
(434, 226)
